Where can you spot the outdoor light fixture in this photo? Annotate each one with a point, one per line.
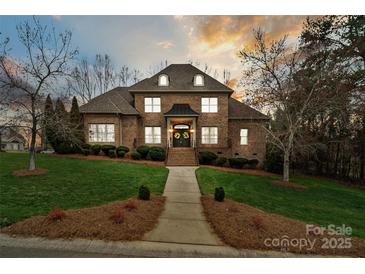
(171, 130)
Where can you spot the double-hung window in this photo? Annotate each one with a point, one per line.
(244, 136)
(152, 135)
(152, 104)
(209, 104)
(209, 135)
(101, 133)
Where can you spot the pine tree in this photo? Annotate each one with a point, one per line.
(60, 111)
(76, 121)
(49, 120)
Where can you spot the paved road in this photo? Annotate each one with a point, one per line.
(23, 252)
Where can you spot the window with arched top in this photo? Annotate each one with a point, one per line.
(198, 80)
(163, 80)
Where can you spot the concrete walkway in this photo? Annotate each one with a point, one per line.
(183, 220)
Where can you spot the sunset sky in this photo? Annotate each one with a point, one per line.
(144, 41)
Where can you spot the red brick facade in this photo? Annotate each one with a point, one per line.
(129, 130)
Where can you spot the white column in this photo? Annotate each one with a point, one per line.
(168, 131)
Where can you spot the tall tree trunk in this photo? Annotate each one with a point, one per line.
(32, 164)
(286, 166)
(336, 160)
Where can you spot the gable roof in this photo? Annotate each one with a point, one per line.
(9, 135)
(117, 100)
(181, 78)
(181, 110)
(238, 110)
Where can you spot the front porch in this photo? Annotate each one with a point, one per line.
(181, 126)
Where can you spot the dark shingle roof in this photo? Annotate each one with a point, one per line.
(181, 110)
(238, 110)
(181, 78)
(117, 100)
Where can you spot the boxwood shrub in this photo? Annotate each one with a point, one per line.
(252, 163)
(220, 161)
(95, 149)
(123, 148)
(136, 155)
(157, 154)
(144, 193)
(105, 148)
(120, 153)
(112, 153)
(143, 150)
(207, 157)
(219, 194)
(237, 162)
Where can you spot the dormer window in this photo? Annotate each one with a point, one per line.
(198, 80)
(163, 80)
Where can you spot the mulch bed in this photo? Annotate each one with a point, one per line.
(26, 172)
(245, 227)
(95, 222)
(257, 172)
(288, 184)
(106, 158)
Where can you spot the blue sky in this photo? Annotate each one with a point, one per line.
(145, 41)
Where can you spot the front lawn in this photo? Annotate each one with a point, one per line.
(322, 202)
(69, 184)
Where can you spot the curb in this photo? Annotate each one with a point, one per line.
(139, 248)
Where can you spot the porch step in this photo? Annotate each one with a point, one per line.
(181, 157)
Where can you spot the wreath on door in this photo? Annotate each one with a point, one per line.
(177, 135)
(186, 135)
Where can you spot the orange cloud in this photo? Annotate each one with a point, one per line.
(215, 30)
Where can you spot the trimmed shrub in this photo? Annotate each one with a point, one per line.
(220, 161)
(106, 148)
(219, 194)
(123, 148)
(118, 216)
(86, 151)
(252, 163)
(131, 204)
(237, 162)
(56, 214)
(144, 193)
(143, 150)
(121, 153)
(112, 153)
(64, 148)
(207, 157)
(157, 154)
(136, 155)
(95, 149)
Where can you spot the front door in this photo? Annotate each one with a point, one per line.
(181, 138)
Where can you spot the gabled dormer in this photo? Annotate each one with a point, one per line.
(183, 78)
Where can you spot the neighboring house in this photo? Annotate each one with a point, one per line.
(179, 107)
(10, 139)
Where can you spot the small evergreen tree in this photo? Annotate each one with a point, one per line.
(76, 121)
(48, 121)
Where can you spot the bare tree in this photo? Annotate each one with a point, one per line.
(124, 76)
(47, 54)
(272, 73)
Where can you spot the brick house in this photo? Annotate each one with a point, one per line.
(180, 108)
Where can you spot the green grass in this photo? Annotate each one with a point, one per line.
(69, 183)
(323, 202)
